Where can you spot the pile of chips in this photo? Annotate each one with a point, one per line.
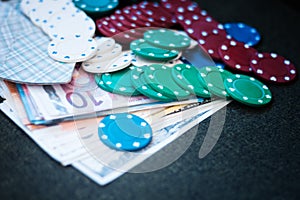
(144, 14)
(230, 44)
(184, 81)
(108, 58)
(131, 60)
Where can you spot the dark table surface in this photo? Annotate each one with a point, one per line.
(256, 157)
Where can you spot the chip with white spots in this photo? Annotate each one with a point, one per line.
(125, 132)
(166, 38)
(72, 48)
(109, 65)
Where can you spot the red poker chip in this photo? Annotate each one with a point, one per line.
(124, 17)
(196, 29)
(187, 19)
(143, 20)
(191, 7)
(273, 67)
(146, 20)
(237, 55)
(172, 5)
(135, 18)
(157, 13)
(211, 40)
(106, 28)
(117, 22)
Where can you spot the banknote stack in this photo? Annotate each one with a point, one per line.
(63, 118)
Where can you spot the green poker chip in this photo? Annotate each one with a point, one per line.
(247, 90)
(188, 77)
(141, 48)
(167, 39)
(160, 79)
(96, 7)
(138, 81)
(100, 83)
(119, 82)
(213, 79)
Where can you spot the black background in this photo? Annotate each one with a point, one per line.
(256, 157)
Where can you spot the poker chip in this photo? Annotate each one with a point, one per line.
(247, 90)
(213, 78)
(153, 10)
(119, 82)
(187, 76)
(168, 39)
(45, 9)
(138, 81)
(133, 18)
(220, 65)
(189, 19)
(198, 29)
(106, 28)
(72, 49)
(70, 11)
(78, 24)
(193, 44)
(212, 40)
(127, 18)
(96, 7)
(117, 21)
(28, 5)
(273, 67)
(147, 21)
(243, 33)
(237, 55)
(160, 79)
(100, 83)
(142, 48)
(105, 44)
(104, 53)
(172, 5)
(139, 61)
(188, 6)
(109, 65)
(124, 131)
(147, 18)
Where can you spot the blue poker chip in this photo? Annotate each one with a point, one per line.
(243, 33)
(220, 64)
(124, 131)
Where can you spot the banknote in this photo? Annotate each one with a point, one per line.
(65, 143)
(81, 98)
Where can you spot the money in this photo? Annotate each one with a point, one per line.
(64, 143)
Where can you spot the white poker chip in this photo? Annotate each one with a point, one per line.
(105, 44)
(66, 23)
(28, 5)
(72, 48)
(120, 62)
(46, 9)
(139, 61)
(69, 11)
(106, 56)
